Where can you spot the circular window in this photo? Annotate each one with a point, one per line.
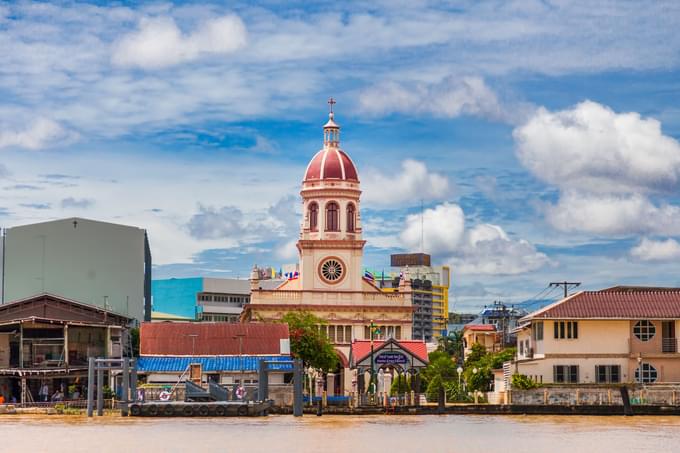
(645, 373)
(644, 330)
(332, 270)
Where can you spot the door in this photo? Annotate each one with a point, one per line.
(668, 340)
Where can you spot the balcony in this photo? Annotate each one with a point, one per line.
(669, 345)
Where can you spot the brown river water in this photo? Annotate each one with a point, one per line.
(375, 434)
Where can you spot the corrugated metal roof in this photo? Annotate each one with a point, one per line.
(153, 364)
(211, 338)
(480, 327)
(612, 304)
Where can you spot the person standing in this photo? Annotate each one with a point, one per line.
(44, 392)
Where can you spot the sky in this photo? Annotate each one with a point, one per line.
(538, 140)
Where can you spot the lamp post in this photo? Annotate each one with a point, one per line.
(474, 373)
(460, 371)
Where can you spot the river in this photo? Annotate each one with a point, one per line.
(375, 434)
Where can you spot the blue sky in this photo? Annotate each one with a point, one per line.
(541, 136)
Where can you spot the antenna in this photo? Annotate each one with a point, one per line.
(422, 227)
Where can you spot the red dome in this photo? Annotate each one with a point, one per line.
(331, 163)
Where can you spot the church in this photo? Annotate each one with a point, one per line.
(331, 283)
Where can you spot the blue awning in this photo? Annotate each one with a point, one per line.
(167, 364)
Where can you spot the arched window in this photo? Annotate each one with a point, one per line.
(332, 217)
(350, 218)
(313, 216)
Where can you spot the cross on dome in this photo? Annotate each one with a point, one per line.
(331, 102)
(331, 130)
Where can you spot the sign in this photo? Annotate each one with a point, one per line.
(391, 358)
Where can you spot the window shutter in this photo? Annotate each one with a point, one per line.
(575, 329)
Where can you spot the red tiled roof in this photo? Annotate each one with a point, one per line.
(625, 304)
(362, 348)
(210, 338)
(480, 327)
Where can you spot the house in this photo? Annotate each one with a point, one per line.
(47, 340)
(227, 353)
(484, 334)
(616, 335)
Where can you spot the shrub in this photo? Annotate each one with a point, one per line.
(523, 382)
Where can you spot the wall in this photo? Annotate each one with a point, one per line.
(594, 337)
(92, 262)
(594, 396)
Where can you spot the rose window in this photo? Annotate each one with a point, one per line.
(332, 270)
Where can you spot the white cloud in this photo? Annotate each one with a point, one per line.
(613, 214)
(450, 98)
(415, 182)
(160, 43)
(287, 250)
(482, 249)
(440, 229)
(651, 250)
(591, 147)
(41, 133)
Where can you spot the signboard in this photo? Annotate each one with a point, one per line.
(391, 358)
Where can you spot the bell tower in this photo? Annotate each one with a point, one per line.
(331, 245)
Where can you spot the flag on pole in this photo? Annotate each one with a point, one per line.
(369, 276)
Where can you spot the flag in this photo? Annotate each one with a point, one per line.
(369, 276)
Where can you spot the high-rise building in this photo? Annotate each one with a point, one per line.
(96, 263)
(430, 292)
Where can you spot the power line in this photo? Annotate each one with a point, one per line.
(566, 286)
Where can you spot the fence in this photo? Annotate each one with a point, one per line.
(571, 396)
(281, 394)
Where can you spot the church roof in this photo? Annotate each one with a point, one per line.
(331, 163)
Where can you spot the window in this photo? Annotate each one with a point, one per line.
(538, 331)
(340, 334)
(565, 374)
(645, 373)
(644, 330)
(565, 329)
(607, 374)
(350, 218)
(521, 348)
(332, 270)
(348, 334)
(313, 216)
(332, 217)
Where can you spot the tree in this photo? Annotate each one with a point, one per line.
(308, 343)
(483, 362)
(440, 371)
(452, 344)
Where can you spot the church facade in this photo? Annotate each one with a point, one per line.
(331, 284)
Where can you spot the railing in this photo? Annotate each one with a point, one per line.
(669, 345)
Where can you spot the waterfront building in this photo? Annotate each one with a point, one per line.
(46, 340)
(330, 283)
(98, 263)
(484, 334)
(202, 298)
(429, 295)
(616, 335)
(227, 353)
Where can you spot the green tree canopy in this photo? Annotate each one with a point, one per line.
(308, 343)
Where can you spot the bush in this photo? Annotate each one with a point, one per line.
(523, 382)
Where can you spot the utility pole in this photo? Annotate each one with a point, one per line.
(566, 286)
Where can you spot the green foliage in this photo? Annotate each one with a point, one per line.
(483, 362)
(523, 382)
(452, 344)
(400, 385)
(107, 392)
(308, 343)
(134, 340)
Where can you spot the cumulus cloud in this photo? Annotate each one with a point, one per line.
(450, 98)
(613, 214)
(76, 203)
(40, 133)
(482, 249)
(592, 147)
(414, 183)
(606, 165)
(159, 42)
(652, 250)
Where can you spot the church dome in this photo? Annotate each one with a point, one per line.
(331, 163)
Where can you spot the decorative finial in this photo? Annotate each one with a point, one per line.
(331, 102)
